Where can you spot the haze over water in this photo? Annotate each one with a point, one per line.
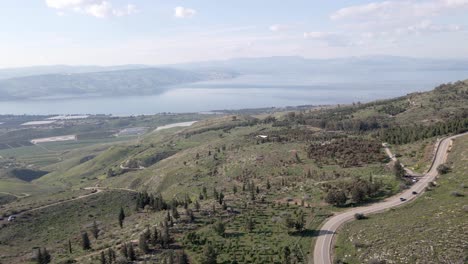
(253, 91)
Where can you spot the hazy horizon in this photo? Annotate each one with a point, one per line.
(122, 32)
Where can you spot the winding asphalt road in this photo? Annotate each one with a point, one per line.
(324, 242)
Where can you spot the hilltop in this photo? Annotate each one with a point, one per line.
(257, 185)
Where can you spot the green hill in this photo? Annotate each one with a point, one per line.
(257, 187)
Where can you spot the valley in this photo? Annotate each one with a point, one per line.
(242, 186)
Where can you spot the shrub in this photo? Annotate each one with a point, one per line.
(359, 216)
(457, 194)
(443, 169)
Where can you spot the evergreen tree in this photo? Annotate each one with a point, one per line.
(182, 258)
(70, 250)
(39, 258)
(155, 237)
(47, 258)
(170, 258)
(121, 217)
(131, 253)
(103, 258)
(95, 230)
(221, 198)
(111, 255)
(190, 216)
(143, 244)
(165, 236)
(209, 255)
(300, 222)
(234, 189)
(399, 170)
(175, 213)
(85, 242)
(124, 250)
(286, 255)
(249, 224)
(219, 227)
(252, 194)
(197, 205)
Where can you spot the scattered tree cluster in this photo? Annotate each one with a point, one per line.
(407, 134)
(356, 191)
(347, 152)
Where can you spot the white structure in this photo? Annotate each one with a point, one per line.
(38, 123)
(54, 139)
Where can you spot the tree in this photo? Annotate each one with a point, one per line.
(252, 194)
(399, 170)
(443, 169)
(249, 224)
(131, 253)
(286, 255)
(336, 197)
(70, 250)
(40, 258)
(121, 217)
(103, 258)
(300, 222)
(268, 185)
(209, 255)
(219, 227)
(124, 250)
(197, 205)
(165, 236)
(359, 216)
(46, 256)
(85, 242)
(111, 255)
(234, 189)
(221, 198)
(175, 213)
(143, 244)
(182, 258)
(190, 215)
(155, 237)
(95, 230)
(43, 256)
(357, 193)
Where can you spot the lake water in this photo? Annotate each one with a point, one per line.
(247, 92)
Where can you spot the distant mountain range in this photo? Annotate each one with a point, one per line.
(116, 82)
(63, 80)
(274, 65)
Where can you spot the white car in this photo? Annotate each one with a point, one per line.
(11, 218)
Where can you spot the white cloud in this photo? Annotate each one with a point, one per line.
(96, 8)
(183, 12)
(395, 10)
(279, 27)
(392, 20)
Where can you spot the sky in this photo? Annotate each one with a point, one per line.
(154, 32)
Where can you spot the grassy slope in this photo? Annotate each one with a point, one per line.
(53, 226)
(430, 230)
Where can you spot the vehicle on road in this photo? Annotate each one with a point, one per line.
(414, 192)
(11, 218)
(402, 199)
